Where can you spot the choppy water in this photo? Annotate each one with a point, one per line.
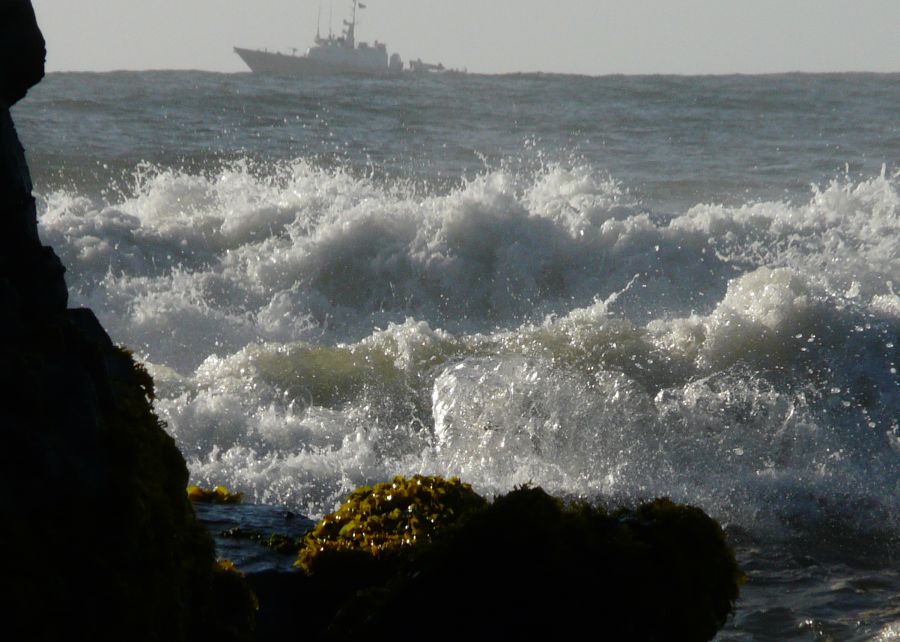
(615, 287)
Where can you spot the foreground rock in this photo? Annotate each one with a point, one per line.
(99, 539)
(526, 566)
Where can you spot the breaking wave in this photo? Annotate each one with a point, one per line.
(311, 329)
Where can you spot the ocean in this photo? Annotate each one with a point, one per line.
(615, 288)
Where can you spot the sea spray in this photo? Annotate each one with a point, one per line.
(534, 329)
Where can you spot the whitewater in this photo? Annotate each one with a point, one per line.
(615, 288)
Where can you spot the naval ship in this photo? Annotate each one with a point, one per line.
(334, 54)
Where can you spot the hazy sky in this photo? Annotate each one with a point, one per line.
(488, 36)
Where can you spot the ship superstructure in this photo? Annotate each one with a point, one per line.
(328, 55)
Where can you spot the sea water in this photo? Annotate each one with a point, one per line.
(615, 288)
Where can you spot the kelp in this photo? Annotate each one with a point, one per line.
(217, 495)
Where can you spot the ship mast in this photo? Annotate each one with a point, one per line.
(319, 24)
(350, 37)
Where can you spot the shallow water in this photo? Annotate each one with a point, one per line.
(615, 288)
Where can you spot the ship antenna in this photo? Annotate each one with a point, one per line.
(319, 22)
(330, 16)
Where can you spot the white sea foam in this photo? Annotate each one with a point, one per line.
(310, 331)
(889, 633)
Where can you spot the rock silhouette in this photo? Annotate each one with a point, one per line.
(100, 539)
(33, 271)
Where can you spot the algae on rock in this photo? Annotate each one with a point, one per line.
(526, 566)
(387, 517)
(104, 543)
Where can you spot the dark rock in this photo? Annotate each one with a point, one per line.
(34, 271)
(100, 540)
(526, 566)
(21, 41)
(530, 567)
(286, 599)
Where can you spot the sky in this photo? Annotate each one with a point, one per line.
(592, 37)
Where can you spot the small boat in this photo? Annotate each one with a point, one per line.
(332, 55)
(419, 67)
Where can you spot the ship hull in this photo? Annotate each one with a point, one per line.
(267, 62)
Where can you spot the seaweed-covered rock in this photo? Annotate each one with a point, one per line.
(526, 566)
(102, 541)
(217, 495)
(387, 519)
(358, 548)
(532, 567)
